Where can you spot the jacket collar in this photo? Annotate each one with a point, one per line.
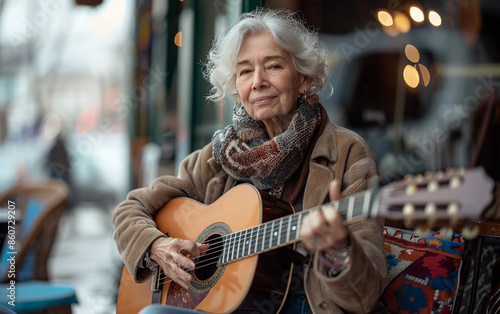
(326, 146)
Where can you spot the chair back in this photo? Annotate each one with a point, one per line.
(38, 206)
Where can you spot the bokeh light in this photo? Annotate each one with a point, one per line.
(384, 18)
(87, 119)
(434, 18)
(411, 52)
(402, 22)
(411, 77)
(178, 39)
(424, 73)
(417, 14)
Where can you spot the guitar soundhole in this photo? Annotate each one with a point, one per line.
(206, 265)
(207, 272)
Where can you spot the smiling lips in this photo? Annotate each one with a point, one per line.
(263, 100)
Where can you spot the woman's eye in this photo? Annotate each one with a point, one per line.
(275, 66)
(243, 72)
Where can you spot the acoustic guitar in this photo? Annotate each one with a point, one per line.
(248, 267)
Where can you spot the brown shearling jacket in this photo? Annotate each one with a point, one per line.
(338, 154)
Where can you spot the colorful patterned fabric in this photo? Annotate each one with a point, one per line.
(422, 271)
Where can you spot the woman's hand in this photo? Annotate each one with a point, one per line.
(324, 229)
(170, 255)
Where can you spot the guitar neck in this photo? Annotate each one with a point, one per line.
(286, 230)
(449, 196)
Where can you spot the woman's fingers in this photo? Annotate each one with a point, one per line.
(334, 191)
(172, 256)
(324, 229)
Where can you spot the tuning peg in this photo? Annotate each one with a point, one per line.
(419, 178)
(408, 178)
(439, 175)
(423, 230)
(408, 210)
(432, 186)
(446, 233)
(428, 175)
(461, 171)
(453, 212)
(430, 212)
(450, 171)
(409, 223)
(470, 231)
(408, 213)
(455, 182)
(411, 189)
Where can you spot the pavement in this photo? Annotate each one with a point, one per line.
(85, 255)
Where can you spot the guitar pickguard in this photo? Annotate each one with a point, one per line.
(180, 297)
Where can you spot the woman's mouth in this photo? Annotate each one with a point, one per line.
(263, 100)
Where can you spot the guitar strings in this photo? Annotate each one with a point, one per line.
(216, 249)
(207, 259)
(217, 246)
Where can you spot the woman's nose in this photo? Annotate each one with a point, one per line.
(259, 79)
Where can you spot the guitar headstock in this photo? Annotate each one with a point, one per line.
(433, 198)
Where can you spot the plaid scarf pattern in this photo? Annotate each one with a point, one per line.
(246, 153)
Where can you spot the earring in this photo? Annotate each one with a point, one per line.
(302, 98)
(237, 109)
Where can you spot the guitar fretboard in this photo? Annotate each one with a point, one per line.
(286, 230)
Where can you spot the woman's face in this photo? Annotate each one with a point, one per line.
(267, 82)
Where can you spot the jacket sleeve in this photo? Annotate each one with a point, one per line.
(135, 229)
(358, 288)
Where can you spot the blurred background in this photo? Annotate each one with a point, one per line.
(106, 95)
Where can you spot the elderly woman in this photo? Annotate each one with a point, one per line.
(282, 142)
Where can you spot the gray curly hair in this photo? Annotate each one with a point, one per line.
(289, 31)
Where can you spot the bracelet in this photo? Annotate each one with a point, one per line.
(336, 262)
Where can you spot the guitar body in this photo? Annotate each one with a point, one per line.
(255, 283)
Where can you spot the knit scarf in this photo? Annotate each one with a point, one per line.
(246, 153)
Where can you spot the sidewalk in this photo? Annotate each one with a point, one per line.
(84, 254)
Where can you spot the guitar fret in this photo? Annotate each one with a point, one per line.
(245, 243)
(230, 248)
(358, 206)
(281, 233)
(350, 207)
(343, 208)
(250, 241)
(226, 248)
(288, 228)
(241, 245)
(299, 223)
(366, 203)
(267, 233)
(257, 238)
(272, 235)
(222, 256)
(293, 228)
(263, 236)
(253, 240)
(233, 240)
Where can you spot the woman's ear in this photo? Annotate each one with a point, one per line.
(305, 83)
